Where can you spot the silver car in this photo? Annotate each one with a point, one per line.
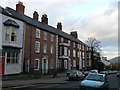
(94, 81)
(76, 75)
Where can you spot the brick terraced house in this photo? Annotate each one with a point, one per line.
(46, 48)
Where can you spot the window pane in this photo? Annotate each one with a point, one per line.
(37, 33)
(45, 48)
(8, 57)
(52, 49)
(36, 64)
(52, 37)
(37, 47)
(45, 35)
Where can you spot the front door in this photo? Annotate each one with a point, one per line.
(45, 66)
(26, 66)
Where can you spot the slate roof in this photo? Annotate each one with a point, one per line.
(10, 22)
(9, 11)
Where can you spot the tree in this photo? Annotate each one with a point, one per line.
(95, 52)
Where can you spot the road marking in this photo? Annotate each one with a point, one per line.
(20, 86)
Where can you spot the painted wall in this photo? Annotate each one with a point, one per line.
(13, 68)
(0, 31)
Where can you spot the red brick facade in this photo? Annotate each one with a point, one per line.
(67, 54)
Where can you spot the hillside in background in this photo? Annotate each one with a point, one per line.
(115, 60)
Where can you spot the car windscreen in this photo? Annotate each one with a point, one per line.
(73, 73)
(95, 77)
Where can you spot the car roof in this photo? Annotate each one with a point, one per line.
(98, 74)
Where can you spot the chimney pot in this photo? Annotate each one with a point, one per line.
(59, 26)
(20, 7)
(74, 34)
(35, 15)
(44, 19)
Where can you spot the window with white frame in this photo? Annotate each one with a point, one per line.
(61, 39)
(78, 54)
(45, 48)
(78, 46)
(83, 63)
(45, 35)
(69, 42)
(83, 55)
(74, 53)
(74, 63)
(65, 51)
(74, 44)
(68, 52)
(37, 47)
(52, 64)
(11, 34)
(37, 33)
(52, 37)
(36, 64)
(82, 47)
(52, 49)
(12, 57)
(60, 50)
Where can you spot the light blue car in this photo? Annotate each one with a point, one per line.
(94, 81)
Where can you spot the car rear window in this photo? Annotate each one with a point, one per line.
(95, 77)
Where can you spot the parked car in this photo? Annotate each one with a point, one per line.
(104, 72)
(86, 73)
(76, 75)
(94, 71)
(118, 74)
(94, 81)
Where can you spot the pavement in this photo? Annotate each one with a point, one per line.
(59, 79)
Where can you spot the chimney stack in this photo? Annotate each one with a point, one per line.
(20, 7)
(59, 26)
(44, 19)
(74, 34)
(35, 15)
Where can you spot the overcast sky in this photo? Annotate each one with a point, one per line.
(90, 18)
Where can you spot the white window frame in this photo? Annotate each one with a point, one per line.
(60, 50)
(9, 31)
(37, 50)
(38, 64)
(68, 52)
(52, 37)
(16, 58)
(45, 35)
(74, 44)
(45, 48)
(62, 39)
(52, 49)
(65, 51)
(69, 42)
(74, 53)
(83, 47)
(37, 33)
(74, 63)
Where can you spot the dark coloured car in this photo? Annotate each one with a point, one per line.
(118, 74)
(94, 81)
(76, 75)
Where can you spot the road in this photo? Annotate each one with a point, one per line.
(114, 82)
